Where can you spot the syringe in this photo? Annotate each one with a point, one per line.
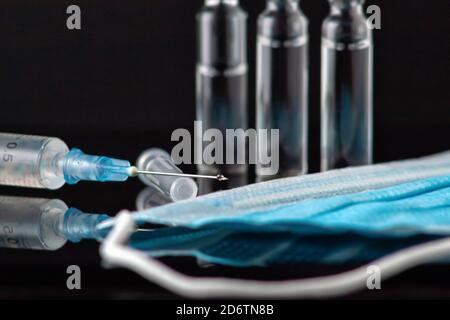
(47, 162)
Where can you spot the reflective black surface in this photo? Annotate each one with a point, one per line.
(42, 274)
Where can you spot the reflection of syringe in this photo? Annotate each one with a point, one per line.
(43, 224)
(45, 162)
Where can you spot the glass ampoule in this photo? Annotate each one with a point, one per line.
(282, 85)
(346, 93)
(222, 76)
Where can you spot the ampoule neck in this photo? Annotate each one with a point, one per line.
(283, 5)
(218, 2)
(344, 6)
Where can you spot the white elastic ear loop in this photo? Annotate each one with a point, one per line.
(115, 253)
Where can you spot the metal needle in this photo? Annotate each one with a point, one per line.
(219, 177)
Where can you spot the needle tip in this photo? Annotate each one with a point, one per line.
(221, 177)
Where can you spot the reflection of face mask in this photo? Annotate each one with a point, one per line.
(267, 195)
(115, 251)
(262, 247)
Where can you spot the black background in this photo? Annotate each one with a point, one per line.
(130, 71)
(126, 80)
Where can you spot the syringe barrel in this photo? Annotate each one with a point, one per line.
(31, 161)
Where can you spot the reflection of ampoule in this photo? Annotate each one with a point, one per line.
(151, 197)
(282, 85)
(346, 86)
(222, 78)
(43, 224)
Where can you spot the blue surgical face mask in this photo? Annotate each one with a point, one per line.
(348, 228)
(378, 203)
(417, 207)
(276, 195)
(268, 195)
